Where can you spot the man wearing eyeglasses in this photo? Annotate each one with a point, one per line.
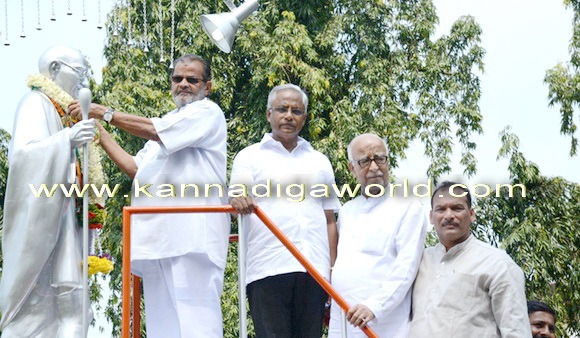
(181, 257)
(379, 249)
(285, 301)
(41, 289)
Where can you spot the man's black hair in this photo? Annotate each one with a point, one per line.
(536, 305)
(447, 185)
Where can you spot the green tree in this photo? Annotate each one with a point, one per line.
(368, 66)
(564, 82)
(4, 141)
(539, 231)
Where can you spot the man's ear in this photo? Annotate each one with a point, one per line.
(431, 217)
(351, 168)
(208, 88)
(53, 69)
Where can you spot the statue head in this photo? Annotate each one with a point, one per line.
(67, 67)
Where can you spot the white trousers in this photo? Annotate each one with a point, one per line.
(182, 297)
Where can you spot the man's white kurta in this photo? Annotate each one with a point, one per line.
(191, 154)
(472, 290)
(380, 245)
(281, 181)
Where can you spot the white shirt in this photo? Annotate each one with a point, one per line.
(472, 290)
(304, 222)
(379, 250)
(192, 150)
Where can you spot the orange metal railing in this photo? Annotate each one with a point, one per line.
(126, 265)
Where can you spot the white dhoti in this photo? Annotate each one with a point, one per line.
(182, 296)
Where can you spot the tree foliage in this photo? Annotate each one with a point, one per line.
(368, 66)
(539, 231)
(4, 141)
(564, 83)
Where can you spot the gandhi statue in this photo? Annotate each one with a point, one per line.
(41, 288)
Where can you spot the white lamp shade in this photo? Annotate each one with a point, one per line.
(221, 28)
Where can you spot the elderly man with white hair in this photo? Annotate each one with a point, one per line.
(379, 248)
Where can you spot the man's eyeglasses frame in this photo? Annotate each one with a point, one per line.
(190, 79)
(366, 162)
(284, 110)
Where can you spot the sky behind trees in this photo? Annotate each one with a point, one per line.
(523, 39)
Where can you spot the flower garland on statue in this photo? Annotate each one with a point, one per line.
(97, 260)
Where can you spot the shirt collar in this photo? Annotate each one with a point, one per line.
(457, 248)
(268, 141)
(366, 204)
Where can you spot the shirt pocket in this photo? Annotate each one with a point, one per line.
(460, 295)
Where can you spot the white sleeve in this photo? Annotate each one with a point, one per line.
(410, 241)
(200, 124)
(242, 170)
(508, 300)
(332, 202)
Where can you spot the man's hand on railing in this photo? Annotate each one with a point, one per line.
(359, 315)
(244, 205)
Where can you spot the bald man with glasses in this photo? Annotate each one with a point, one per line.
(381, 240)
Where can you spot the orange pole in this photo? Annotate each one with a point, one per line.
(136, 307)
(126, 274)
(126, 256)
(309, 267)
(179, 209)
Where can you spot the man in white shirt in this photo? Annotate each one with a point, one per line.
(465, 287)
(379, 248)
(181, 257)
(285, 301)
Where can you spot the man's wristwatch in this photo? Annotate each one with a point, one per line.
(108, 115)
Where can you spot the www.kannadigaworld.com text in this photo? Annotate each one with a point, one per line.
(295, 192)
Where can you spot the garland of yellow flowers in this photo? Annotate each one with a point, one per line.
(60, 99)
